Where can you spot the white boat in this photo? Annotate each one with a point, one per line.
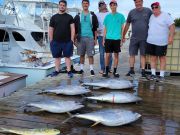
(24, 44)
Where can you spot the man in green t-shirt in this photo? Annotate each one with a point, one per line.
(114, 23)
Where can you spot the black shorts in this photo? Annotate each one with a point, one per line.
(61, 49)
(156, 50)
(112, 46)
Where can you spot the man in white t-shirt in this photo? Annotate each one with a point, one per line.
(160, 34)
(101, 15)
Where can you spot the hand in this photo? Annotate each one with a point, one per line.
(95, 42)
(123, 40)
(170, 40)
(103, 42)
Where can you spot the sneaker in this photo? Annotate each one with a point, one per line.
(130, 73)
(105, 75)
(55, 73)
(70, 74)
(160, 79)
(92, 73)
(110, 71)
(81, 71)
(116, 75)
(152, 77)
(143, 74)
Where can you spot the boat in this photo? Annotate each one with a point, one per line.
(24, 42)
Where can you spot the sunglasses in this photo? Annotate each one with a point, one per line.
(155, 7)
(113, 4)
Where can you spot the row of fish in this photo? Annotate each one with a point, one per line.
(115, 117)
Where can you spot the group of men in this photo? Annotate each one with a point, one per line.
(152, 31)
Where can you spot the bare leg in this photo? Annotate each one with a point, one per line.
(82, 59)
(91, 60)
(116, 59)
(68, 63)
(143, 61)
(57, 64)
(131, 61)
(107, 59)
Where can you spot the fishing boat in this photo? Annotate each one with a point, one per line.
(24, 43)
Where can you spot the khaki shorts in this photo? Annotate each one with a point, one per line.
(86, 46)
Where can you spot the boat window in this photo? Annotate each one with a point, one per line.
(4, 36)
(38, 36)
(18, 36)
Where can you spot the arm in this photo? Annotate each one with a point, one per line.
(104, 35)
(122, 28)
(95, 37)
(171, 33)
(125, 30)
(51, 30)
(72, 32)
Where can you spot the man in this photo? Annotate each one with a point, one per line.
(114, 23)
(160, 34)
(101, 15)
(86, 25)
(61, 35)
(139, 19)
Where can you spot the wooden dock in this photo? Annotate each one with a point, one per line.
(160, 108)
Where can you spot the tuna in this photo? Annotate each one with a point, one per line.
(110, 117)
(116, 97)
(111, 84)
(56, 106)
(68, 90)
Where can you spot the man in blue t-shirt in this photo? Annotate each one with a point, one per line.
(114, 23)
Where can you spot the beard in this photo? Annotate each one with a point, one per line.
(62, 10)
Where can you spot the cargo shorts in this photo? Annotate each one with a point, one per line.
(86, 46)
(137, 45)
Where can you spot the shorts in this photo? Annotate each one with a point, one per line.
(156, 50)
(136, 45)
(86, 46)
(112, 46)
(61, 49)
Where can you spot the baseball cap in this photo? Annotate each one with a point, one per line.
(101, 2)
(113, 1)
(155, 4)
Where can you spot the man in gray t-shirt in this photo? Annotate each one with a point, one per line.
(139, 19)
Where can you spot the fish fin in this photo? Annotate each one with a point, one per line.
(3, 130)
(71, 116)
(95, 124)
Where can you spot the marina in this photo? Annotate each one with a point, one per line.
(31, 100)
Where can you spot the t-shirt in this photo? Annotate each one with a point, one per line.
(61, 24)
(113, 24)
(100, 17)
(86, 26)
(159, 29)
(139, 20)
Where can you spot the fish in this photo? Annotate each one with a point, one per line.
(111, 84)
(110, 117)
(41, 131)
(68, 90)
(116, 97)
(57, 106)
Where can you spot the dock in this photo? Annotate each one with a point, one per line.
(160, 108)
